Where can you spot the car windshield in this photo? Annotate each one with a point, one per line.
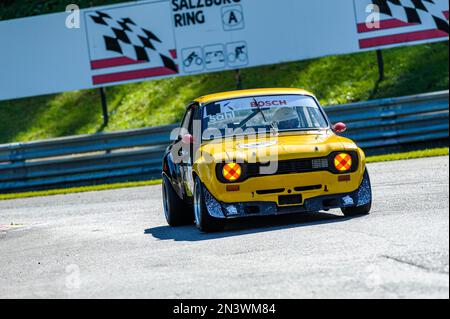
(263, 113)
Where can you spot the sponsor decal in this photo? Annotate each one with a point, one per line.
(258, 145)
(222, 117)
(269, 103)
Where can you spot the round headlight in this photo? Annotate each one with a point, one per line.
(343, 162)
(232, 171)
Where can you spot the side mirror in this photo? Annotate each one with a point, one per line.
(339, 128)
(187, 139)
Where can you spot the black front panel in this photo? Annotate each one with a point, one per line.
(295, 166)
(289, 200)
(284, 167)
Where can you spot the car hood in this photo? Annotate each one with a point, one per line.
(284, 146)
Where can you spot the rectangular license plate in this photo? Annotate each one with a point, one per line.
(284, 200)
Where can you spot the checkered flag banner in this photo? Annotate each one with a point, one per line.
(124, 37)
(414, 11)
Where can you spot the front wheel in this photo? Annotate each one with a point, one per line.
(357, 211)
(176, 211)
(366, 189)
(204, 222)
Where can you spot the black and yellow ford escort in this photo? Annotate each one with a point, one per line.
(257, 153)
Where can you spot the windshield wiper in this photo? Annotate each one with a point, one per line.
(272, 125)
(258, 110)
(246, 120)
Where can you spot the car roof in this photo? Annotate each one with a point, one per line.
(249, 93)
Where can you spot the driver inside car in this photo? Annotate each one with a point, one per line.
(286, 119)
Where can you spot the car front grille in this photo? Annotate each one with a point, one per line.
(287, 167)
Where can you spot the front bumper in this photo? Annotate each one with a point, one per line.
(362, 196)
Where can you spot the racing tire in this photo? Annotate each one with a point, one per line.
(176, 211)
(359, 210)
(204, 222)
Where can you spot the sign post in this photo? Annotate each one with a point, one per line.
(238, 80)
(380, 65)
(104, 107)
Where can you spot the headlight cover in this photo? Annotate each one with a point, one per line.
(344, 162)
(230, 172)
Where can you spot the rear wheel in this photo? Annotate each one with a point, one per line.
(204, 222)
(176, 211)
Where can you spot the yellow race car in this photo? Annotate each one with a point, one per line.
(257, 153)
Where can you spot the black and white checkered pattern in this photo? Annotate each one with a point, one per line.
(126, 38)
(414, 11)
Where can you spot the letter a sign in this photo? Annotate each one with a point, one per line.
(232, 18)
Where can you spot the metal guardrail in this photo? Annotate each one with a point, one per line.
(136, 154)
(395, 121)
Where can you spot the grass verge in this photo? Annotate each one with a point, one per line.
(82, 189)
(372, 159)
(409, 155)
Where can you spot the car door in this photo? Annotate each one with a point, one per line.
(188, 152)
(175, 155)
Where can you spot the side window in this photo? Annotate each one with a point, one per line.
(185, 125)
(316, 117)
(196, 117)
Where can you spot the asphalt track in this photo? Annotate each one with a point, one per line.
(115, 244)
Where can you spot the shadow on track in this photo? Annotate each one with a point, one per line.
(245, 226)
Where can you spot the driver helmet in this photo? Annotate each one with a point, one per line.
(286, 119)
